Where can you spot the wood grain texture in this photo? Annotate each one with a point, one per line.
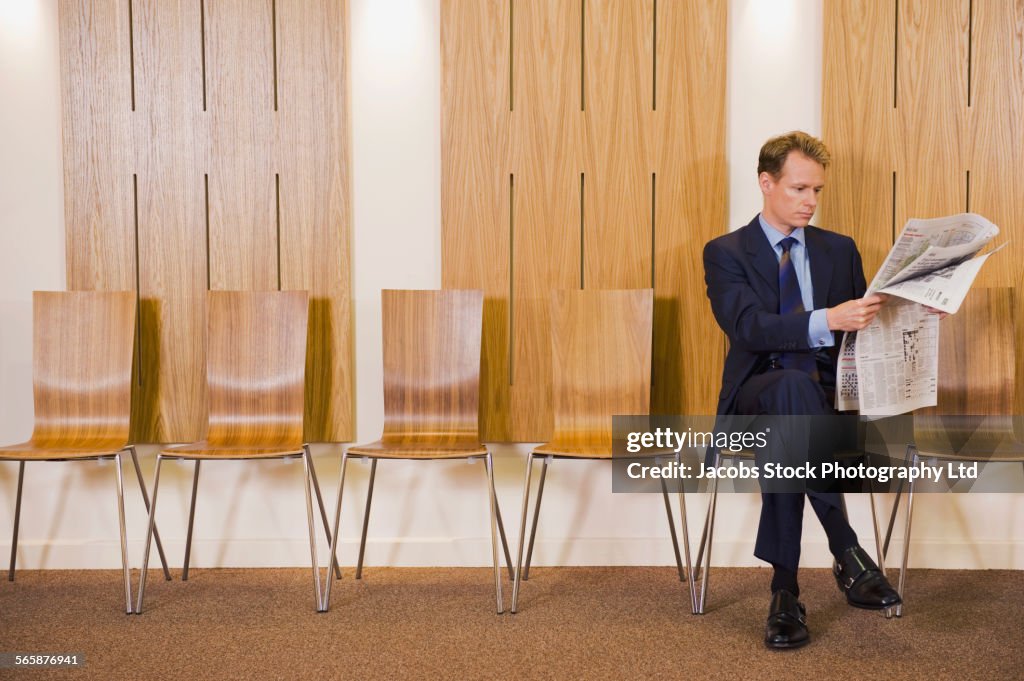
(313, 161)
(546, 125)
(997, 159)
(691, 195)
(96, 101)
(432, 342)
(931, 118)
(976, 378)
(618, 57)
(170, 136)
(858, 121)
(601, 343)
(81, 374)
(475, 170)
(240, 101)
(255, 372)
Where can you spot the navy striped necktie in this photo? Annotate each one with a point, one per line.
(791, 301)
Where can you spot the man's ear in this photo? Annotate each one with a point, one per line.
(766, 182)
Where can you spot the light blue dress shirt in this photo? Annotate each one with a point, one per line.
(818, 334)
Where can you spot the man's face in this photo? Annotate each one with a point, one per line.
(790, 200)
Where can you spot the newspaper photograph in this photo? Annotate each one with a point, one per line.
(891, 367)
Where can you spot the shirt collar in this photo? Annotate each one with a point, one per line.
(775, 236)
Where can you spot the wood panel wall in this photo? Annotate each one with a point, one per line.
(583, 146)
(205, 147)
(923, 103)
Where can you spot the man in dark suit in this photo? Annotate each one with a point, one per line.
(783, 292)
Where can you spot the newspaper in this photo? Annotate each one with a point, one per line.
(891, 367)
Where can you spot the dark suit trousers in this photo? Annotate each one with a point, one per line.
(785, 392)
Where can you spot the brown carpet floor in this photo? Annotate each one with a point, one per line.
(574, 623)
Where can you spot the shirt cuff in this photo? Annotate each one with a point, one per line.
(818, 335)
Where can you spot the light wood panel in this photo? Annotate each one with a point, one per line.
(690, 201)
(169, 130)
(240, 100)
(312, 158)
(858, 120)
(546, 127)
(475, 182)
(170, 118)
(617, 84)
(96, 98)
(931, 109)
(997, 159)
(579, 78)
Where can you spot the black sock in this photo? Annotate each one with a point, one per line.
(840, 535)
(784, 578)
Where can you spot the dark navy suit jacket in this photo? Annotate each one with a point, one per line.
(741, 271)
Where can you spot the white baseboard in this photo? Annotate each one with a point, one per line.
(475, 552)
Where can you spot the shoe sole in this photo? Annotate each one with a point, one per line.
(787, 646)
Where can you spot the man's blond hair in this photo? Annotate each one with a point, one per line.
(775, 151)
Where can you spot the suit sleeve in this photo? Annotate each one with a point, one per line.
(740, 312)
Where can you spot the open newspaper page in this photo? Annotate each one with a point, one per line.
(891, 367)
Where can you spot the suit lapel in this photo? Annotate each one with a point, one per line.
(821, 266)
(763, 259)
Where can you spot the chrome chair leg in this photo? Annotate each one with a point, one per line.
(501, 534)
(334, 535)
(191, 522)
(323, 511)
(895, 505)
(145, 500)
(307, 462)
(494, 532)
(366, 519)
(906, 538)
(536, 515)
(149, 535)
(686, 543)
(522, 534)
(672, 531)
(17, 521)
(124, 537)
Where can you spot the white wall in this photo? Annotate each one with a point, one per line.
(252, 514)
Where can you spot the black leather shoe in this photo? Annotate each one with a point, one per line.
(863, 583)
(787, 622)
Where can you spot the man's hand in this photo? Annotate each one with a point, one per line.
(932, 310)
(854, 315)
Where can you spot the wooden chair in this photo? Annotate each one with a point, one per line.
(255, 373)
(431, 393)
(601, 345)
(973, 420)
(82, 384)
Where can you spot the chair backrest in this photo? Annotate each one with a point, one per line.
(976, 372)
(82, 366)
(432, 363)
(256, 366)
(601, 353)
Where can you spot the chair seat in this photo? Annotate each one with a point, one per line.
(61, 451)
(420, 447)
(1005, 452)
(205, 450)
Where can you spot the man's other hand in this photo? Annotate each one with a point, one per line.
(932, 310)
(854, 315)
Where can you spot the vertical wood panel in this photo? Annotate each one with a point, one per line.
(617, 91)
(858, 119)
(96, 99)
(546, 124)
(240, 100)
(931, 102)
(475, 182)
(691, 201)
(170, 404)
(997, 159)
(312, 158)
